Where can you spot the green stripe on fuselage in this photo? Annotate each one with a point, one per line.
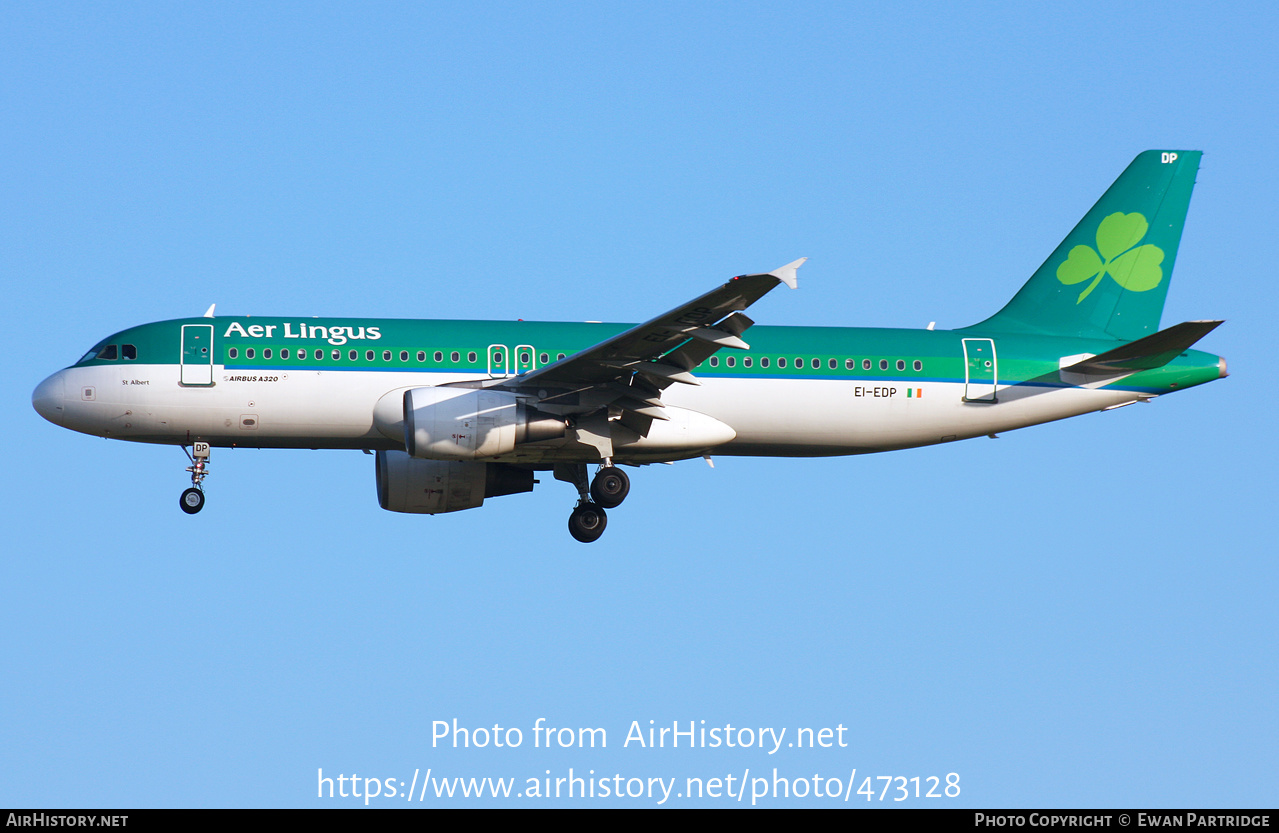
(1021, 358)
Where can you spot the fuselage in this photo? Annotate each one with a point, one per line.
(456, 412)
(797, 391)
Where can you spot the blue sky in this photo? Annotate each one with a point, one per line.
(1077, 614)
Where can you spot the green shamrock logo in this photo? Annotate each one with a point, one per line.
(1133, 267)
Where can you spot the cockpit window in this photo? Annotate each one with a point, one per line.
(129, 352)
(109, 353)
(88, 356)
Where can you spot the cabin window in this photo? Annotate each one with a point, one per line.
(714, 361)
(284, 352)
(455, 356)
(109, 353)
(781, 362)
(439, 356)
(746, 362)
(353, 355)
(233, 353)
(525, 358)
(561, 356)
(248, 354)
(497, 357)
(883, 364)
(816, 363)
(337, 355)
(918, 365)
(850, 364)
(386, 355)
(545, 357)
(266, 354)
(421, 356)
(319, 354)
(404, 355)
(471, 357)
(730, 361)
(833, 364)
(901, 364)
(129, 352)
(763, 362)
(865, 364)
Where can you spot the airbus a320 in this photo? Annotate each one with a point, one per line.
(456, 412)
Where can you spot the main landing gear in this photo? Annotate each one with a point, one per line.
(610, 487)
(607, 490)
(192, 499)
(587, 522)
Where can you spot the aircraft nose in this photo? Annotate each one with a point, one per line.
(48, 398)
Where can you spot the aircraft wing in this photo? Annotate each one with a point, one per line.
(629, 370)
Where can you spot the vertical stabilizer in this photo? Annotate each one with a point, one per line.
(1109, 277)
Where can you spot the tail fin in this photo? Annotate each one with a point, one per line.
(1109, 277)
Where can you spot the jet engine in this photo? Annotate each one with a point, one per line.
(469, 424)
(428, 487)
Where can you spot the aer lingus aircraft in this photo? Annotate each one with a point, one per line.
(460, 411)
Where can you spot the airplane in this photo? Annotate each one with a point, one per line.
(456, 412)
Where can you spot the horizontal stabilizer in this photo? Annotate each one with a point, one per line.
(1145, 353)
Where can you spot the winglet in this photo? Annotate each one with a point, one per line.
(786, 274)
(209, 312)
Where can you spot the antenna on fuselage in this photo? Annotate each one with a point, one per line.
(209, 312)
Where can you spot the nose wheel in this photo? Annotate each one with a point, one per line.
(192, 499)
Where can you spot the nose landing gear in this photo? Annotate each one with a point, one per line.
(192, 499)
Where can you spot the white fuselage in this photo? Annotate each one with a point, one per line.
(335, 409)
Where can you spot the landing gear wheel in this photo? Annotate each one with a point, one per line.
(192, 501)
(587, 522)
(610, 487)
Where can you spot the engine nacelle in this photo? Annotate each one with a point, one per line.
(470, 424)
(429, 487)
